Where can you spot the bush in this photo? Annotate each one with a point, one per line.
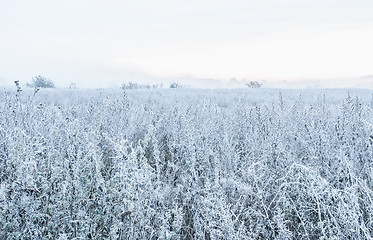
(175, 85)
(254, 84)
(41, 82)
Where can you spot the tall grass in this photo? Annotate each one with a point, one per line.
(186, 164)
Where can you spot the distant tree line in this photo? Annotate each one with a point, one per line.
(132, 85)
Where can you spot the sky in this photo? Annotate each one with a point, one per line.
(201, 43)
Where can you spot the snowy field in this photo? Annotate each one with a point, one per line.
(186, 164)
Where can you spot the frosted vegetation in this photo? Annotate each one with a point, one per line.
(186, 164)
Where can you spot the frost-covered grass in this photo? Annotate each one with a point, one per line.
(186, 164)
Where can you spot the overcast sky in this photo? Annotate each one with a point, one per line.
(104, 43)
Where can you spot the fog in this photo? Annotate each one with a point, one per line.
(202, 44)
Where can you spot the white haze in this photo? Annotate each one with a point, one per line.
(200, 43)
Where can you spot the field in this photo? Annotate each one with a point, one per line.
(186, 164)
